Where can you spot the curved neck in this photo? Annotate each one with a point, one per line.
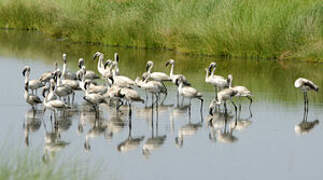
(171, 70)
(180, 86)
(100, 62)
(212, 74)
(64, 69)
(27, 77)
(230, 83)
(149, 69)
(206, 75)
(113, 72)
(116, 68)
(26, 94)
(58, 81)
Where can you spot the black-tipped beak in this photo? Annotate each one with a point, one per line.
(94, 56)
(55, 77)
(210, 69)
(147, 67)
(111, 78)
(107, 64)
(176, 82)
(24, 72)
(167, 63)
(186, 83)
(117, 57)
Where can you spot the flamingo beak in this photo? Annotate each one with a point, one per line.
(210, 69)
(94, 56)
(24, 72)
(116, 57)
(147, 67)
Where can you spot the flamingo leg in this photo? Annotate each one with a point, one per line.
(216, 91)
(201, 106)
(225, 107)
(236, 109)
(130, 111)
(182, 101)
(165, 96)
(177, 98)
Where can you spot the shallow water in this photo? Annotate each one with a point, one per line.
(266, 147)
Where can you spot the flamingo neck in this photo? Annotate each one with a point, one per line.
(26, 94)
(116, 67)
(59, 81)
(180, 86)
(64, 69)
(171, 70)
(212, 74)
(113, 72)
(27, 77)
(100, 63)
(207, 76)
(230, 83)
(149, 69)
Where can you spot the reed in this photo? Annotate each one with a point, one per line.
(249, 28)
(27, 165)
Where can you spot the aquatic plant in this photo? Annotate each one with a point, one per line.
(28, 165)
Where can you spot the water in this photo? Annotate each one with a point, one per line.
(268, 147)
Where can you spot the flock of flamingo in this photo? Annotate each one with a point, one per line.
(59, 88)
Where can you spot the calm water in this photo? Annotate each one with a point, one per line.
(267, 147)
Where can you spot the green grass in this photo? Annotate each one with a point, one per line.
(28, 165)
(248, 28)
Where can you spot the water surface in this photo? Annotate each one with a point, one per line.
(268, 147)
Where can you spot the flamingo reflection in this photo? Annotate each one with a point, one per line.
(131, 143)
(189, 129)
(156, 141)
(305, 126)
(32, 123)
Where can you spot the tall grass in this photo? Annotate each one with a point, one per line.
(27, 165)
(257, 28)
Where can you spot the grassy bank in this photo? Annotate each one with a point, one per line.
(257, 28)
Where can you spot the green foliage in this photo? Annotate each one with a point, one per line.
(248, 28)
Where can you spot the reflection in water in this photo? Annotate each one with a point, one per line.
(304, 127)
(218, 124)
(242, 123)
(156, 141)
(188, 129)
(131, 143)
(53, 143)
(98, 128)
(225, 135)
(115, 124)
(32, 123)
(273, 93)
(175, 113)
